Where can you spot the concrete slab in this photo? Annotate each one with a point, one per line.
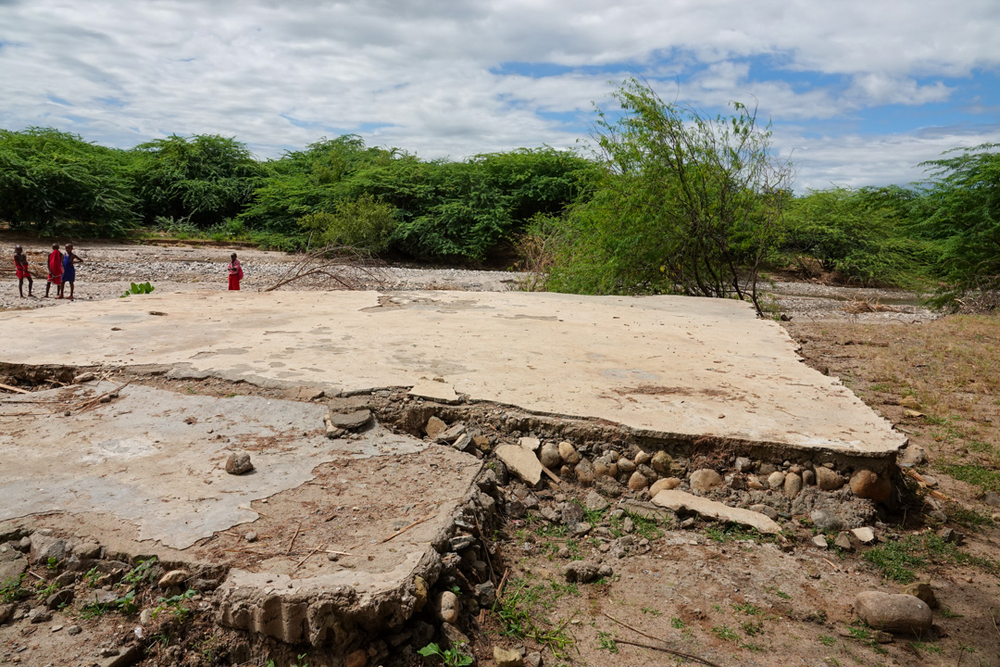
(144, 475)
(665, 366)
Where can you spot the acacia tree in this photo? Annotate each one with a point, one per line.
(964, 198)
(54, 182)
(687, 204)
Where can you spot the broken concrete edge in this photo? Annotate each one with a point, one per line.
(306, 611)
(338, 617)
(545, 423)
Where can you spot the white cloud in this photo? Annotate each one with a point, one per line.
(424, 72)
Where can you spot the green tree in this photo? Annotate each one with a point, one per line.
(55, 183)
(310, 181)
(363, 223)
(963, 195)
(864, 235)
(203, 179)
(687, 204)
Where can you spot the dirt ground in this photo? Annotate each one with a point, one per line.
(709, 594)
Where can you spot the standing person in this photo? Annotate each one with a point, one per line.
(21, 268)
(69, 270)
(235, 272)
(55, 271)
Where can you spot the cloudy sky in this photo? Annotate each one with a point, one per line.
(859, 91)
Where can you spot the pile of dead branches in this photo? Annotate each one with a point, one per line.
(858, 306)
(335, 267)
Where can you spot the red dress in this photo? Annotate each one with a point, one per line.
(235, 274)
(55, 267)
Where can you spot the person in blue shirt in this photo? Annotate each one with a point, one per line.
(69, 270)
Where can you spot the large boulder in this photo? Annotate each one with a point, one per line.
(828, 480)
(893, 613)
(705, 479)
(867, 484)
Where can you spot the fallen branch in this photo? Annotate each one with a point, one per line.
(554, 477)
(335, 266)
(662, 647)
(14, 389)
(400, 532)
(665, 649)
(83, 406)
(308, 556)
(293, 538)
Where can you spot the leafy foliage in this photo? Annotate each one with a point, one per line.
(685, 204)
(52, 182)
(363, 223)
(964, 201)
(138, 288)
(863, 235)
(202, 179)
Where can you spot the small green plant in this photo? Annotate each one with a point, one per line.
(175, 605)
(452, 657)
(774, 590)
(725, 633)
(300, 661)
(651, 612)
(91, 577)
(46, 591)
(141, 573)
(606, 642)
(52, 564)
(752, 627)
(138, 288)
(747, 608)
(827, 640)
(924, 646)
(12, 590)
(676, 623)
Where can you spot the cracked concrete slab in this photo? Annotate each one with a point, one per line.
(156, 458)
(664, 366)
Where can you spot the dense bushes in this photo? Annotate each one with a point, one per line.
(866, 236)
(672, 202)
(54, 182)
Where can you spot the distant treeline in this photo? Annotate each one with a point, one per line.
(335, 190)
(616, 222)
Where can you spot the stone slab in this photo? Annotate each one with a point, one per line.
(665, 366)
(679, 500)
(435, 391)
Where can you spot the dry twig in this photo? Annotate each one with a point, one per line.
(400, 532)
(293, 538)
(662, 647)
(335, 267)
(16, 390)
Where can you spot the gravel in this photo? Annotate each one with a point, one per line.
(108, 269)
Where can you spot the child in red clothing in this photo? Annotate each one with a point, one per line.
(235, 272)
(55, 271)
(21, 268)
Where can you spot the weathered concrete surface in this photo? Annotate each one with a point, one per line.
(670, 366)
(144, 475)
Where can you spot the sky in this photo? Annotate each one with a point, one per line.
(859, 92)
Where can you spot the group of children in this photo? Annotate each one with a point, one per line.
(62, 270)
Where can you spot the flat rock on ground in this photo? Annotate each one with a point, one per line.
(676, 500)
